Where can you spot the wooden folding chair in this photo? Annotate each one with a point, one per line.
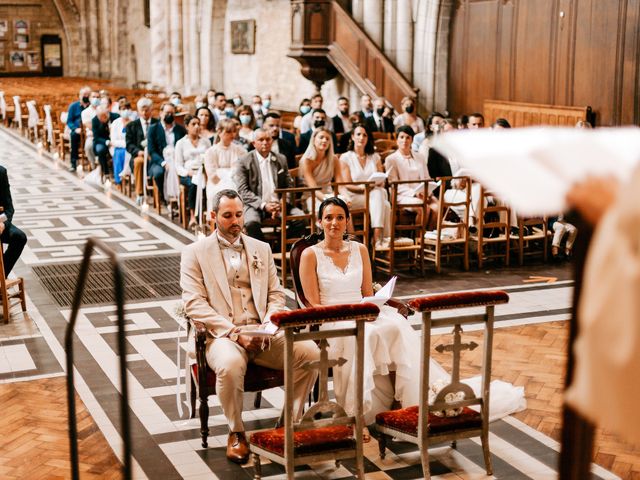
(405, 220)
(493, 228)
(532, 238)
(10, 297)
(451, 237)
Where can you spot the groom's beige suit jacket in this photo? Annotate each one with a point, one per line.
(205, 287)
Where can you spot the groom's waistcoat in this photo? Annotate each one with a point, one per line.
(244, 308)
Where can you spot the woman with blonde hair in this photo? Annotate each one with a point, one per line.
(319, 166)
(219, 159)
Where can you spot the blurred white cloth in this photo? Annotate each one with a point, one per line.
(532, 169)
(605, 388)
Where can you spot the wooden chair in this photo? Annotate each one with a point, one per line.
(10, 297)
(360, 220)
(449, 418)
(492, 227)
(289, 195)
(335, 435)
(405, 220)
(532, 232)
(453, 219)
(383, 135)
(183, 212)
(384, 144)
(203, 380)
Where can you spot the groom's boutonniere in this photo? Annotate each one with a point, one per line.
(257, 263)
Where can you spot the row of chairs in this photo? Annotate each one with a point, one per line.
(335, 435)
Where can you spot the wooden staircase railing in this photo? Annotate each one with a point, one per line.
(326, 40)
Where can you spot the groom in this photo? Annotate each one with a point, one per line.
(229, 281)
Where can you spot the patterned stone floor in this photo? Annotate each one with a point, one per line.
(58, 212)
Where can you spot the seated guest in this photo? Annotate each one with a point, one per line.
(161, 135)
(101, 129)
(207, 124)
(283, 142)
(189, 159)
(476, 120)
(403, 164)
(74, 122)
(87, 117)
(358, 164)
(303, 108)
(222, 289)
(175, 99)
(422, 140)
(501, 123)
(410, 116)
(247, 125)
(10, 235)
(337, 271)
(343, 143)
(308, 120)
(341, 122)
(378, 121)
(463, 122)
(220, 159)
(257, 175)
(117, 139)
(319, 166)
(257, 109)
(218, 105)
(136, 138)
(319, 117)
(562, 228)
(366, 106)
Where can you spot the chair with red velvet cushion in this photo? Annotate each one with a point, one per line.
(336, 435)
(450, 417)
(203, 380)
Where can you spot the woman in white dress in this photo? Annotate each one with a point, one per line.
(219, 160)
(189, 155)
(337, 271)
(359, 162)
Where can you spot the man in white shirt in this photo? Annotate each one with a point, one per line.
(87, 117)
(258, 175)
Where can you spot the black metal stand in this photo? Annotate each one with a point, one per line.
(118, 277)
(577, 433)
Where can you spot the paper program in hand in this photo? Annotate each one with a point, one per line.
(382, 295)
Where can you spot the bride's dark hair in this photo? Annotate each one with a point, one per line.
(333, 201)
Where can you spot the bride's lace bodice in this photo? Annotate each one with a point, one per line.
(337, 286)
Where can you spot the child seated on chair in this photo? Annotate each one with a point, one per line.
(561, 228)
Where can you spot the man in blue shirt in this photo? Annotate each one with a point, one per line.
(74, 122)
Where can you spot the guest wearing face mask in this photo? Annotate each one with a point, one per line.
(409, 117)
(378, 122)
(237, 100)
(74, 118)
(163, 134)
(319, 120)
(87, 117)
(200, 101)
(230, 109)
(118, 142)
(303, 108)
(247, 125)
(266, 104)
(176, 100)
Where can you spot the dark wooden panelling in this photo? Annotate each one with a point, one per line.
(533, 51)
(561, 52)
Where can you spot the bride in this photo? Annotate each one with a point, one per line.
(336, 271)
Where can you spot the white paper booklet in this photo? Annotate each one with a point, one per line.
(266, 330)
(382, 295)
(532, 169)
(379, 176)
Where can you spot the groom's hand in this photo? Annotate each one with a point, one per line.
(250, 344)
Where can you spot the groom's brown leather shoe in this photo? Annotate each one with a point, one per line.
(237, 448)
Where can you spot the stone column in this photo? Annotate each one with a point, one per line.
(159, 43)
(357, 10)
(372, 21)
(424, 42)
(105, 24)
(404, 39)
(206, 21)
(186, 26)
(175, 44)
(391, 28)
(195, 26)
(93, 66)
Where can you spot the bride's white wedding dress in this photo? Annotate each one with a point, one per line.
(391, 344)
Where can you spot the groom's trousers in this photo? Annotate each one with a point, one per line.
(229, 362)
